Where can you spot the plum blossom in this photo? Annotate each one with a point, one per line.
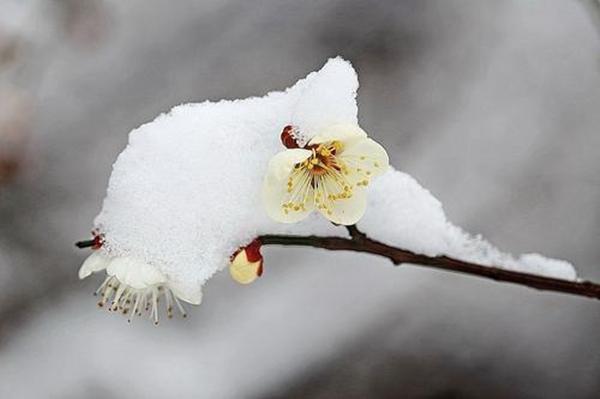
(330, 175)
(134, 287)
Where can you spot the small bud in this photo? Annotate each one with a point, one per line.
(98, 239)
(247, 264)
(288, 137)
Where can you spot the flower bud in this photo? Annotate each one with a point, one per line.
(247, 264)
(98, 240)
(288, 137)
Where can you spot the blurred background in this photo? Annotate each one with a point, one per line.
(492, 105)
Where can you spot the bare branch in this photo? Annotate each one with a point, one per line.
(85, 244)
(359, 242)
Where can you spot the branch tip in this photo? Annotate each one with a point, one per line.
(85, 244)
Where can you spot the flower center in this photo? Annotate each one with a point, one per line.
(321, 178)
(323, 159)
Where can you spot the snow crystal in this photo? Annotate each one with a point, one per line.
(185, 193)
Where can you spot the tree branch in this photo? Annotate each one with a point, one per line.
(359, 242)
(85, 244)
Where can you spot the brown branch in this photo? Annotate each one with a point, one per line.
(359, 242)
(85, 244)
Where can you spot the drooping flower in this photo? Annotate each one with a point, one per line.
(247, 264)
(329, 174)
(134, 287)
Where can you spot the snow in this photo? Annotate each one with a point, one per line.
(185, 193)
(404, 214)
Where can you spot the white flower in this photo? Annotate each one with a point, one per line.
(133, 286)
(329, 174)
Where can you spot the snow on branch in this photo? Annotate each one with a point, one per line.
(206, 185)
(360, 242)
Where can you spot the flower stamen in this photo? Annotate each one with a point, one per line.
(324, 173)
(328, 174)
(134, 301)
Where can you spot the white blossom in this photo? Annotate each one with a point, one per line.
(330, 174)
(133, 286)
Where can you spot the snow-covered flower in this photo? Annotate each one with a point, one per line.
(330, 174)
(247, 263)
(185, 194)
(134, 287)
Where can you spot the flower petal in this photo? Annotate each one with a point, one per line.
(188, 292)
(242, 270)
(282, 164)
(275, 187)
(94, 263)
(365, 159)
(346, 133)
(347, 211)
(135, 272)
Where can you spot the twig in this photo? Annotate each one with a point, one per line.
(85, 244)
(359, 242)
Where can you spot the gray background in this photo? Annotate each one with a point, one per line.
(492, 105)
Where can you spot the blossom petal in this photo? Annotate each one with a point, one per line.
(135, 272)
(365, 159)
(188, 292)
(242, 270)
(345, 133)
(347, 211)
(94, 263)
(275, 187)
(282, 164)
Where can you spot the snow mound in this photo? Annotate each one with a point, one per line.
(185, 193)
(404, 214)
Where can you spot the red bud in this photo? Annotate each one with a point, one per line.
(287, 137)
(98, 240)
(253, 251)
